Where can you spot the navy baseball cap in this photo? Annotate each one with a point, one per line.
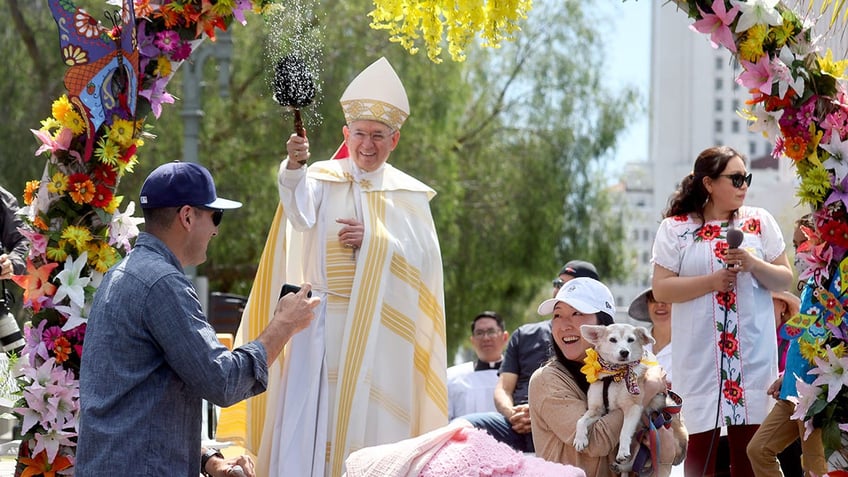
(182, 183)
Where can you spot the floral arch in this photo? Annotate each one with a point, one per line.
(81, 226)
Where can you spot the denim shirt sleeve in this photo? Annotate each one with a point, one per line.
(192, 350)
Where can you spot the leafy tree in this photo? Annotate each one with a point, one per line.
(513, 140)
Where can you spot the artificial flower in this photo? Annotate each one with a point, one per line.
(756, 75)
(781, 68)
(122, 132)
(757, 12)
(831, 372)
(72, 282)
(75, 315)
(58, 183)
(717, 25)
(832, 68)
(77, 236)
(124, 227)
(157, 95)
(814, 186)
(80, 188)
(36, 283)
(751, 46)
(808, 394)
(40, 466)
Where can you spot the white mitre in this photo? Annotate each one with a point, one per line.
(376, 94)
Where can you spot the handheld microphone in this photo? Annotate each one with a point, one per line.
(734, 240)
(734, 237)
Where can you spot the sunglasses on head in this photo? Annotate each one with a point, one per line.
(738, 179)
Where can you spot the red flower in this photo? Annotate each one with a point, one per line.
(102, 196)
(80, 188)
(835, 233)
(733, 392)
(751, 226)
(681, 218)
(726, 299)
(105, 174)
(728, 344)
(720, 249)
(708, 232)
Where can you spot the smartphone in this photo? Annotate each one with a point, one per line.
(289, 288)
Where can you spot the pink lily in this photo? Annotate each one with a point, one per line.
(757, 75)
(717, 25)
(157, 95)
(61, 143)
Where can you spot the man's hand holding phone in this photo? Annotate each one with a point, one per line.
(292, 314)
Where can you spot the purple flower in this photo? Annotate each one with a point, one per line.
(167, 40)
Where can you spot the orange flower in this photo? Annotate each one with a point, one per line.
(796, 148)
(40, 466)
(61, 349)
(81, 188)
(29, 191)
(36, 283)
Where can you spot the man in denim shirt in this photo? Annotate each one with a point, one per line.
(150, 356)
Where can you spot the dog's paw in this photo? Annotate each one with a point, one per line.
(581, 442)
(621, 467)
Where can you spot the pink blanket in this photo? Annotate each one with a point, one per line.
(455, 450)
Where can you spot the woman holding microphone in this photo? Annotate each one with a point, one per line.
(719, 282)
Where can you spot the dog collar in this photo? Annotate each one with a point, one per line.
(598, 368)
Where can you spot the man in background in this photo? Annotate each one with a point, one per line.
(471, 385)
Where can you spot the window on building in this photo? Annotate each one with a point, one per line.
(719, 63)
(718, 105)
(635, 235)
(646, 257)
(719, 83)
(752, 148)
(735, 86)
(718, 126)
(646, 235)
(734, 126)
(736, 105)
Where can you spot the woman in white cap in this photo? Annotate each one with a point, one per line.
(558, 389)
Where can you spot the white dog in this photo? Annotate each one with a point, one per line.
(620, 351)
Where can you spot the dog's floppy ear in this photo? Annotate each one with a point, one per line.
(593, 333)
(644, 336)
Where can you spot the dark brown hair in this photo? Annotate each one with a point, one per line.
(691, 196)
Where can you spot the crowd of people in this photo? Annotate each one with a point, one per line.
(354, 363)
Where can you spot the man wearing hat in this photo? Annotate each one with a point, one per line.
(574, 269)
(370, 370)
(529, 348)
(150, 356)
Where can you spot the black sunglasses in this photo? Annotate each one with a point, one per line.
(738, 179)
(558, 283)
(217, 214)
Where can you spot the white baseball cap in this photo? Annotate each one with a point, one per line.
(586, 295)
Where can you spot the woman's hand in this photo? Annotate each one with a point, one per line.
(298, 151)
(740, 260)
(724, 280)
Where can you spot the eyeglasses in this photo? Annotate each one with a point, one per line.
(488, 333)
(738, 179)
(558, 283)
(376, 137)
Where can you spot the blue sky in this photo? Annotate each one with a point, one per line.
(627, 59)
